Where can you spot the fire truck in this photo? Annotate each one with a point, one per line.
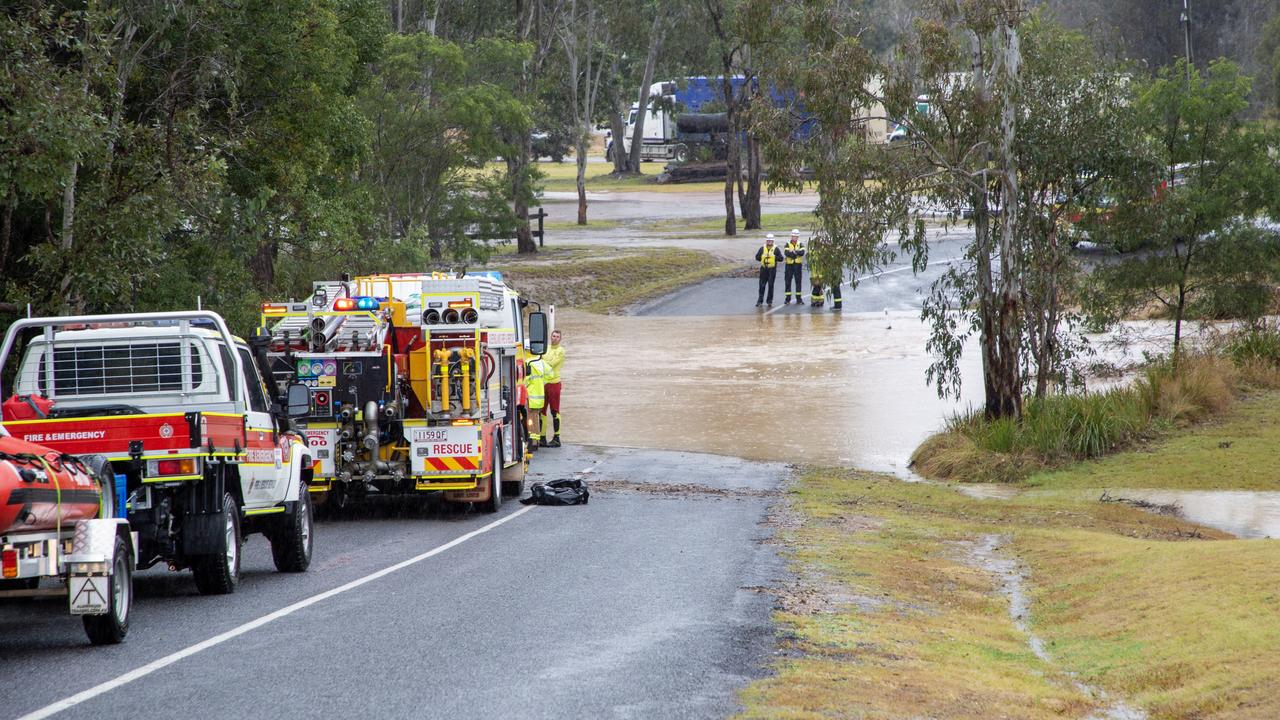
(178, 408)
(415, 383)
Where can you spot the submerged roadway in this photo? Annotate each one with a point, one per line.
(643, 603)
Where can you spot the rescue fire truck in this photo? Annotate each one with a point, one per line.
(59, 522)
(415, 383)
(178, 408)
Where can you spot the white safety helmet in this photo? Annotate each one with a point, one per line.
(768, 238)
(795, 232)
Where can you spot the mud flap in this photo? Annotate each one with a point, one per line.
(202, 528)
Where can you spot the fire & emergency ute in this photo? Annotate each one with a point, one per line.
(177, 407)
(415, 383)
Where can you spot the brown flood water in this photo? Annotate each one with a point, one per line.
(809, 388)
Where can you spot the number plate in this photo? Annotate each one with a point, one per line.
(89, 594)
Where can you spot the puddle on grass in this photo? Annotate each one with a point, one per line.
(1243, 513)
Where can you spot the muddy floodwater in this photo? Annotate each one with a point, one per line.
(811, 388)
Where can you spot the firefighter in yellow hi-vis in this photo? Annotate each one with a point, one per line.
(793, 266)
(768, 256)
(554, 358)
(535, 380)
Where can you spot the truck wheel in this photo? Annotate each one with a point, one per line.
(111, 628)
(218, 574)
(681, 154)
(494, 503)
(291, 543)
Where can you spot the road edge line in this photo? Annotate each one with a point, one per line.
(170, 659)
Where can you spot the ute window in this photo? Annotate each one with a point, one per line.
(252, 383)
(119, 369)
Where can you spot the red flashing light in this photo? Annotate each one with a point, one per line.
(344, 305)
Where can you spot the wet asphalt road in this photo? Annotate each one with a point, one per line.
(893, 288)
(636, 605)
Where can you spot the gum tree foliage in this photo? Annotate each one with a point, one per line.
(436, 120)
(1185, 223)
(1016, 112)
(194, 145)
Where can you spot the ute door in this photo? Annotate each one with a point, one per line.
(264, 471)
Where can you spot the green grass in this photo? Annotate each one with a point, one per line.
(573, 226)
(1235, 452)
(889, 619)
(1062, 429)
(563, 177)
(602, 281)
(772, 222)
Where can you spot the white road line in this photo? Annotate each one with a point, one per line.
(168, 660)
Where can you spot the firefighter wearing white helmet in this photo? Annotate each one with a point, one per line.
(793, 266)
(768, 256)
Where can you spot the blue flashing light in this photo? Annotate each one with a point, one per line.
(366, 303)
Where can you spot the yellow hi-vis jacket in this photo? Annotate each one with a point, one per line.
(794, 253)
(768, 256)
(535, 383)
(554, 358)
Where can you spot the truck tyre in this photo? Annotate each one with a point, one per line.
(100, 466)
(110, 629)
(218, 573)
(291, 542)
(681, 153)
(494, 503)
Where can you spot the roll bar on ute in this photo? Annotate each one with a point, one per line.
(50, 326)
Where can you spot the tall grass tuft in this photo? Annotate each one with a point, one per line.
(1066, 428)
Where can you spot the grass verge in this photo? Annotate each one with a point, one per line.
(772, 222)
(610, 284)
(892, 617)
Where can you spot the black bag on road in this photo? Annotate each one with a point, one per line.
(558, 492)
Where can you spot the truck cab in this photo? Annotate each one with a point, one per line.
(178, 406)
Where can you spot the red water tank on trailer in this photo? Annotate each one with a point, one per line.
(40, 490)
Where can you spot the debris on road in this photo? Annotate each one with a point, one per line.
(559, 492)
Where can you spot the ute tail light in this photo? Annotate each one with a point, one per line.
(9, 559)
(173, 467)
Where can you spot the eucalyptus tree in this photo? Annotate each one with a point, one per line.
(1007, 124)
(1185, 226)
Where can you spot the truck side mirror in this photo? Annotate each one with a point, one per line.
(298, 402)
(537, 333)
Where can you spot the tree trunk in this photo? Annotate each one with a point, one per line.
(1009, 331)
(732, 153)
(6, 230)
(67, 239)
(657, 32)
(263, 266)
(1179, 312)
(618, 128)
(581, 151)
(751, 200)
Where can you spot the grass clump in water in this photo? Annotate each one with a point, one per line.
(1062, 429)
